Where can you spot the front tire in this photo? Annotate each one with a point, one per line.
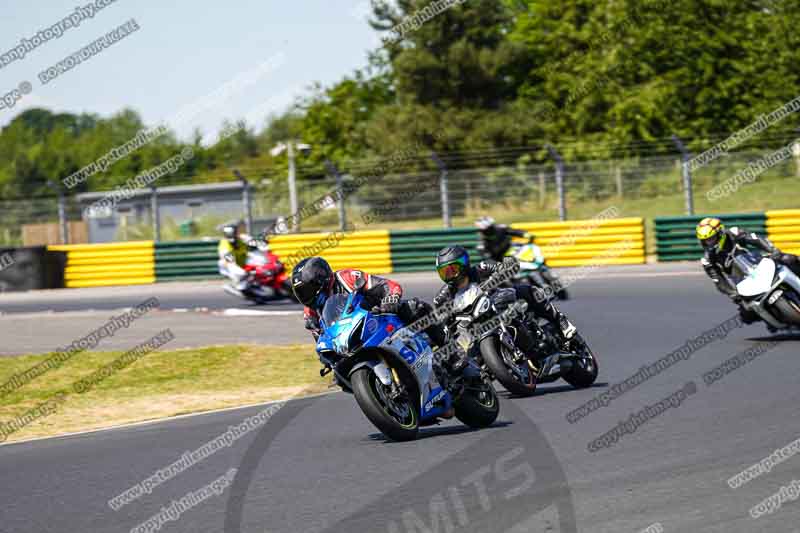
(518, 385)
(789, 310)
(584, 370)
(478, 407)
(389, 417)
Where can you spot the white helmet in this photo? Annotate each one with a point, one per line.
(484, 223)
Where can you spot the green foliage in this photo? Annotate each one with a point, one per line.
(599, 79)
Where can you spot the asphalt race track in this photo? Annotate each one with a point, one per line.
(318, 465)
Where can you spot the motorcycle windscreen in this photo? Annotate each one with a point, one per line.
(466, 297)
(256, 259)
(334, 309)
(759, 280)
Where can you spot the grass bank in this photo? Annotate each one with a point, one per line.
(161, 384)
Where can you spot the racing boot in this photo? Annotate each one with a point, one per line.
(568, 330)
(452, 358)
(562, 324)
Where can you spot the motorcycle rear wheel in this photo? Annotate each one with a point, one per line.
(371, 396)
(478, 407)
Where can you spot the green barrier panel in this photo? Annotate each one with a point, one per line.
(186, 260)
(675, 236)
(415, 250)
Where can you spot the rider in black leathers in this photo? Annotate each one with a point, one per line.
(453, 266)
(496, 238)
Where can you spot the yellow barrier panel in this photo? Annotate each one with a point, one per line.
(783, 229)
(101, 247)
(619, 241)
(102, 265)
(109, 282)
(366, 250)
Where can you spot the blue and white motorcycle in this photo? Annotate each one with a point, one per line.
(396, 379)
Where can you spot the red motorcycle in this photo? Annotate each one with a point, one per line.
(267, 278)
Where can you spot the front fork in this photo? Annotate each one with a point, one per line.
(507, 338)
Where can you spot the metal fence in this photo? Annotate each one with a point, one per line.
(645, 186)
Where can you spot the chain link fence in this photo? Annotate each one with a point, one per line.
(643, 186)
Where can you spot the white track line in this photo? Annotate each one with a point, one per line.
(646, 275)
(256, 312)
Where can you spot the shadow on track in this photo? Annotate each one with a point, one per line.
(430, 432)
(549, 390)
(505, 481)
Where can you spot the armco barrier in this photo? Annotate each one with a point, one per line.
(675, 236)
(564, 244)
(415, 250)
(617, 241)
(97, 265)
(783, 229)
(30, 268)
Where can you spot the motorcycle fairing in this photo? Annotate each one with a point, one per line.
(355, 328)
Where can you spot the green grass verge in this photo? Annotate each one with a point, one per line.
(161, 384)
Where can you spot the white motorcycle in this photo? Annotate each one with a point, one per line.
(534, 271)
(768, 289)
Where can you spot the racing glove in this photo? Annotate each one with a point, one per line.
(511, 263)
(389, 305)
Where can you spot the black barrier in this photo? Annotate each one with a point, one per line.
(24, 269)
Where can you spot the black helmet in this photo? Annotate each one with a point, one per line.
(311, 280)
(452, 263)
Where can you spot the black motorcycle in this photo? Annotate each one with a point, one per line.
(510, 344)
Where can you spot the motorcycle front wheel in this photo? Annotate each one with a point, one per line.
(789, 309)
(584, 370)
(395, 418)
(520, 380)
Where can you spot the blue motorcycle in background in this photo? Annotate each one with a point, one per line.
(395, 379)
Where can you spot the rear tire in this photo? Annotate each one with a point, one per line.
(365, 388)
(478, 408)
(490, 350)
(584, 370)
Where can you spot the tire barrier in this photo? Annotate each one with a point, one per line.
(31, 268)
(675, 236)
(783, 229)
(100, 265)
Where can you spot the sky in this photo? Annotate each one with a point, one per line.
(190, 63)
